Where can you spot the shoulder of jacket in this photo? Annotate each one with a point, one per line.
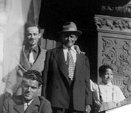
(43, 50)
(14, 99)
(52, 50)
(41, 98)
(84, 57)
(44, 100)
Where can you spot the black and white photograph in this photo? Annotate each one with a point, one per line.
(65, 56)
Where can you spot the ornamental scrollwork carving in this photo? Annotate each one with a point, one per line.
(117, 53)
(116, 8)
(113, 23)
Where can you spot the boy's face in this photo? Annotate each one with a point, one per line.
(108, 77)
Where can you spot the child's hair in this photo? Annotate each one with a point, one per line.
(103, 68)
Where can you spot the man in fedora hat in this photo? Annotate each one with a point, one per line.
(67, 74)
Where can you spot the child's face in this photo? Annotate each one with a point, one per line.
(108, 77)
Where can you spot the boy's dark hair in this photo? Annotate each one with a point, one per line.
(103, 68)
(33, 75)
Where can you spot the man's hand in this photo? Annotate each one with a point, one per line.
(78, 49)
(88, 108)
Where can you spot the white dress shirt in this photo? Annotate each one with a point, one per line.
(73, 53)
(31, 57)
(26, 105)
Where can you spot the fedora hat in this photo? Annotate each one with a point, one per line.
(70, 27)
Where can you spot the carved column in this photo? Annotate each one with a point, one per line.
(114, 48)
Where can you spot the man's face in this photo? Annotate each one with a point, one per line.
(68, 39)
(30, 89)
(33, 35)
(108, 76)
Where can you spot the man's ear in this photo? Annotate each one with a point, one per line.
(40, 86)
(75, 39)
(41, 32)
(77, 48)
(40, 35)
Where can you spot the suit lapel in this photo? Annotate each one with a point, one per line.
(63, 66)
(24, 60)
(61, 62)
(19, 108)
(79, 64)
(39, 62)
(33, 108)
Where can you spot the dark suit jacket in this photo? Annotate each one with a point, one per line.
(15, 105)
(58, 88)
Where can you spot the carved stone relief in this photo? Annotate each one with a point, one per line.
(117, 53)
(113, 24)
(115, 8)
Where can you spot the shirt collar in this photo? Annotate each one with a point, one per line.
(72, 48)
(28, 103)
(34, 49)
(109, 84)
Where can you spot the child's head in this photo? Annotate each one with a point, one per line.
(106, 73)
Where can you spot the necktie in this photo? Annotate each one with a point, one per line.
(31, 57)
(71, 65)
(25, 106)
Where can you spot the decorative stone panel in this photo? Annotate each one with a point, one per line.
(113, 24)
(114, 48)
